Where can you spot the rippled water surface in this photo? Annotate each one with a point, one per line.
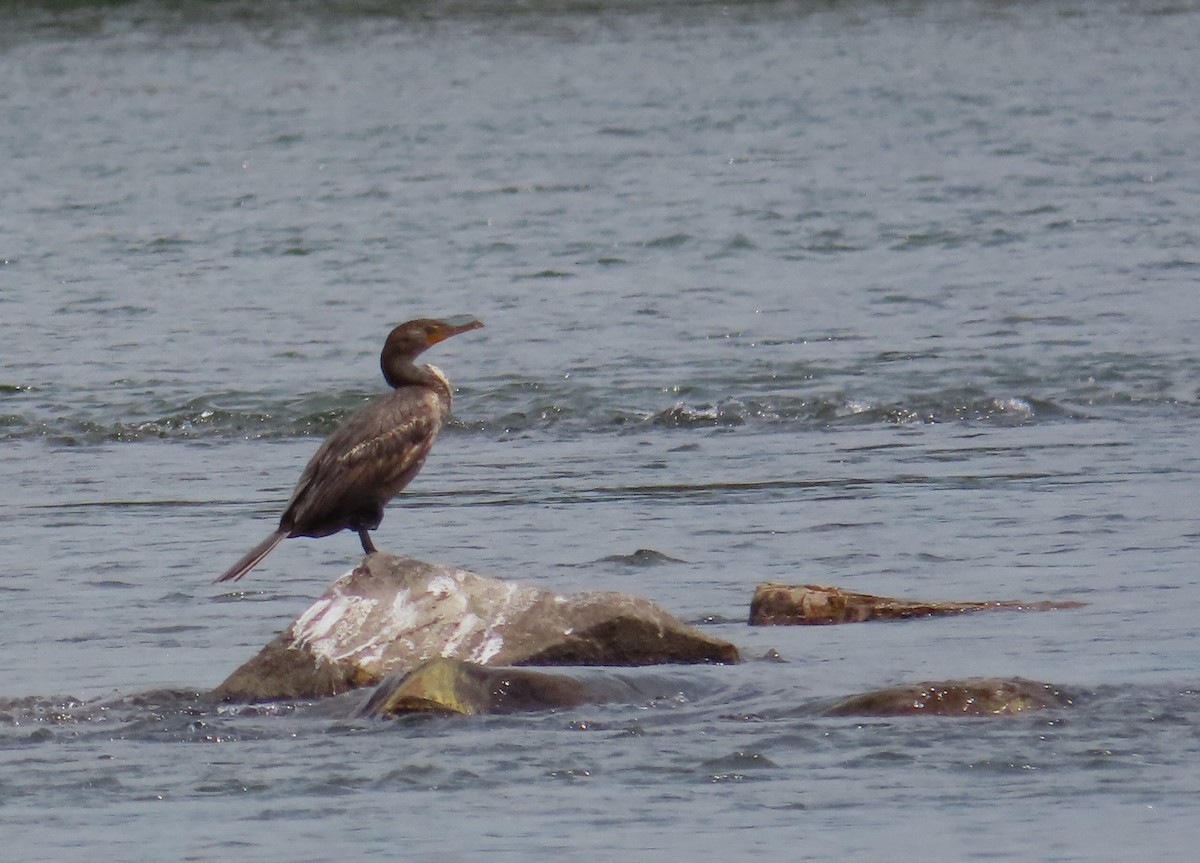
(900, 297)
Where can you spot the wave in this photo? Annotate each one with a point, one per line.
(557, 409)
(231, 415)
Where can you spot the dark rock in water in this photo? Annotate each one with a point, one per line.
(776, 604)
(450, 686)
(981, 696)
(641, 557)
(391, 614)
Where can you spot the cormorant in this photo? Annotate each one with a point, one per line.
(376, 452)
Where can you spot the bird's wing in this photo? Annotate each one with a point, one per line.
(370, 458)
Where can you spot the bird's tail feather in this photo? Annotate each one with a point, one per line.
(253, 557)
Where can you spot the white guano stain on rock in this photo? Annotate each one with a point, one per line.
(468, 626)
(490, 647)
(512, 598)
(404, 615)
(301, 626)
(339, 624)
(444, 585)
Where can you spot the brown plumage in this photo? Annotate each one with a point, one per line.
(376, 452)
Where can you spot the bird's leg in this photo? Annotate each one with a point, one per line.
(368, 546)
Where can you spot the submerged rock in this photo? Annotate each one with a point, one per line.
(641, 557)
(775, 604)
(450, 686)
(980, 696)
(390, 614)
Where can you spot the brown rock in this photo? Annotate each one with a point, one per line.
(775, 604)
(455, 687)
(980, 696)
(391, 614)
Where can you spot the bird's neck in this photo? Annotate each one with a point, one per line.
(407, 373)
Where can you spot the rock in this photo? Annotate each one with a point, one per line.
(391, 614)
(980, 696)
(774, 604)
(455, 687)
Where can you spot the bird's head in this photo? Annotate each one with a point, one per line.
(407, 341)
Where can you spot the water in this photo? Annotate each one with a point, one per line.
(895, 296)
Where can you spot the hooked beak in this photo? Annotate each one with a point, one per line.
(455, 325)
